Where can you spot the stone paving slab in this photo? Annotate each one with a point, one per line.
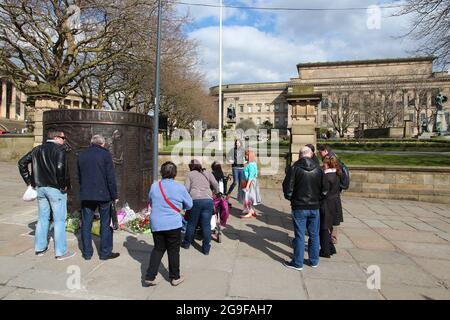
(331, 270)
(217, 290)
(320, 289)
(378, 257)
(398, 225)
(11, 267)
(367, 239)
(404, 274)
(411, 236)
(438, 251)
(438, 268)
(255, 278)
(391, 292)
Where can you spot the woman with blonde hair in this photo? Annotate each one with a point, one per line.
(250, 195)
(330, 206)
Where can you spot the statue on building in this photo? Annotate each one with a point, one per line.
(440, 125)
(231, 112)
(424, 125)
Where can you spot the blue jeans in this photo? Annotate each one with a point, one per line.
(51, 200)
(303, 219)
(201, 210)
(238, 176)
(106, 235)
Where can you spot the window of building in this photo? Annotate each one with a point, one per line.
(67, 102)
(286, 120)
(362, 117)
(76, 104)
(241, 108)
(411, 117)
(422, 116)
(249, 108)
(267, 107)
(324, 118)
(259, 107)
(277, 120)
(258, 121)
(277, 107)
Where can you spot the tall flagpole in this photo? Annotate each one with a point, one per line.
(156, 110)
(220, 77)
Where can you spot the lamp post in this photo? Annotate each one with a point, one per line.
(220, 77)
(156, 111)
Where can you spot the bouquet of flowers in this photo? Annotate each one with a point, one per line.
(139, 225)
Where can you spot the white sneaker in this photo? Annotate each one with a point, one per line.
(66, 256)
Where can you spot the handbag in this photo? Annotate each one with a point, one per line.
(168, 201)
(244, 184)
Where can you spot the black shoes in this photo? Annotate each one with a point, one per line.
(111, 256)
(41, 253)
(185, 245)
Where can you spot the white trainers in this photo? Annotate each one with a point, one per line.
(176, 282)
(66, 256)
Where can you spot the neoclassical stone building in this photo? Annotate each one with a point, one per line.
(368, 87)
(13, 101)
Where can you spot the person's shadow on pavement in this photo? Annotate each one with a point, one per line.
(140, 251)
(257, 240)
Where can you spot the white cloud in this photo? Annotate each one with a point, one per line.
(273, 42)
(250, 55)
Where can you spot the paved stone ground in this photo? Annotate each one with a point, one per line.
(409, 241)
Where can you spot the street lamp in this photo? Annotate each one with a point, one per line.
(156, 111)
(220, 77)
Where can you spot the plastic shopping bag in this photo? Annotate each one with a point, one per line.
(30, 194)
(96, 227)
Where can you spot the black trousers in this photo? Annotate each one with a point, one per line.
(327, 247)
(169, 241)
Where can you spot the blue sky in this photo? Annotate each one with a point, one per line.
(263, 46)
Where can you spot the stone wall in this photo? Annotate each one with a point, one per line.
(393, 133)
(430, 184)
(13, 147)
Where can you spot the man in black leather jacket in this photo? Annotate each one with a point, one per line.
(304, 186)
(49, 175)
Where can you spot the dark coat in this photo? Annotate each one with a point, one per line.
(96, 174)
(304, 185)
(331, 206)
(49, 166)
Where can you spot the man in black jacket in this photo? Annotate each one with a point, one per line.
(304, 186)
(49, 175)
(97, 189)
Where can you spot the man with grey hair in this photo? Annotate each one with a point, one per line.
(97, 190)
(304, 186)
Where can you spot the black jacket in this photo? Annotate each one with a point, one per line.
(49, 166)
(97, 175)
(305, 185)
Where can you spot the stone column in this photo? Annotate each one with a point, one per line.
(12, 108)
(43, 102)
(3, 101)
(303, 128)
(22, 106)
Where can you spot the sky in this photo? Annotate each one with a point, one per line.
(266, 45)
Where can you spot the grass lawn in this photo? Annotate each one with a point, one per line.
(395, 160)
